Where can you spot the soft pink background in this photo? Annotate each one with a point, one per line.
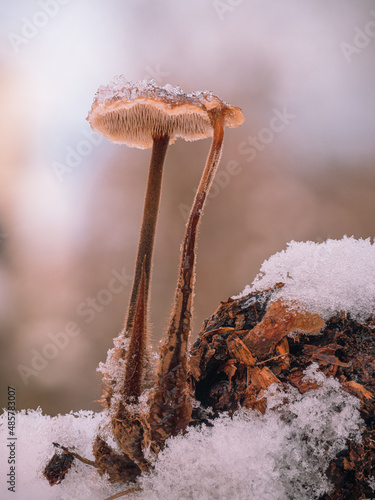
(62, 242)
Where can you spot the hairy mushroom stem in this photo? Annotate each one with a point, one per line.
(132, 387)
(179, 328)
(170, 409)
(150, 216)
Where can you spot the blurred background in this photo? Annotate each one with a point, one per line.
(301, 167)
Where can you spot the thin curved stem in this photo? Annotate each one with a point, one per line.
(179, 328)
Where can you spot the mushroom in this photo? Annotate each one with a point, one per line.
(144, 115)
(127, 113)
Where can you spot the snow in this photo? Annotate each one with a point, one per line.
(121, 88)
(326, 278)
(281, 455)
(35, 434)
(114, 368)
(262, 457)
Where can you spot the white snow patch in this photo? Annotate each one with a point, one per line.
(35, 434)
(281, 455)
(326, 278)
(113, 371)
(121, 88)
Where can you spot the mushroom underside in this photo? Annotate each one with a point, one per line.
(138, 125)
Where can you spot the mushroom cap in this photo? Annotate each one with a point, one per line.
(134, 113)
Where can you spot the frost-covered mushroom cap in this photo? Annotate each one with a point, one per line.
(134, 113)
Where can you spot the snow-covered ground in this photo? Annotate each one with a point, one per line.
(281, 455)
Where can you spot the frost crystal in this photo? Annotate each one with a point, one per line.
(113, 373)
(281, 455)
(122, 89)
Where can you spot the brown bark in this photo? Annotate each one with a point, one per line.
(251, 342)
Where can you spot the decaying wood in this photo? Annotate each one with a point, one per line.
(252, 342)
(120, 468)
(57, 467)
(279, 320)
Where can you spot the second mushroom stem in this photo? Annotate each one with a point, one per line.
(142, 273)
(170, 409)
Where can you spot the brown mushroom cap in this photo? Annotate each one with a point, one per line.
(134, 113)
